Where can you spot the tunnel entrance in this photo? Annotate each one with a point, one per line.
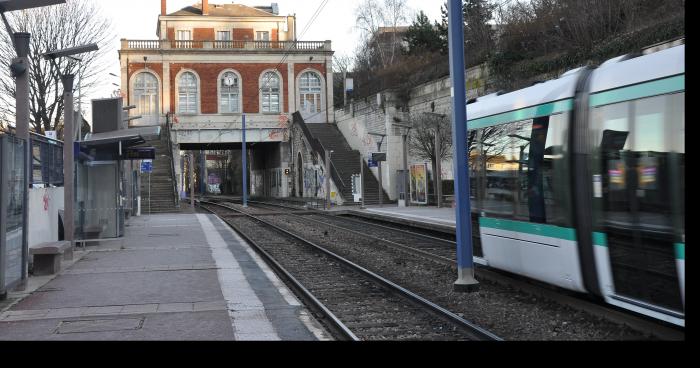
(218, 169)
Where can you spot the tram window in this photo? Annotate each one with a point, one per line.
(641, 159)
(555, 172)
(520, 170)
(499, 157)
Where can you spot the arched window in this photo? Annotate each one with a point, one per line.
(229, 87)
(187, 93)
(310, 92)
(146, 95)
(270, 90)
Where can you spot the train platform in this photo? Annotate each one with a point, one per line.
(183, 276)
(429, 217)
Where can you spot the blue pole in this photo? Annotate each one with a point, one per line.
(465, 263)
(245, 168)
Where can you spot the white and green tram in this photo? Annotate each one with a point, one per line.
(580, 182)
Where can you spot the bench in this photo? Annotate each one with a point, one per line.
(47, 256)
(93, 232)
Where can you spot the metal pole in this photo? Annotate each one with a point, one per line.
(438, 168)
(149, 192)
(362, 183)
(245, 168)
(381, 187)
(345, 89)
(405, 171)
(80, 101)
(379, 167)
(68, 169)
(465, 262)
(328, 179)
(22, 130)
(191, 158)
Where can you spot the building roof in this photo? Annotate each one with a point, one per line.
(226, 10)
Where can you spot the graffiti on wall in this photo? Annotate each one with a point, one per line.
(281, 131)
(309, 181)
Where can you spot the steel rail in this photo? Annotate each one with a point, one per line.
(331, 320)
(478, 332)
(560, 296)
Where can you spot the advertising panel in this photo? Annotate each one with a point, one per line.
(419, 183)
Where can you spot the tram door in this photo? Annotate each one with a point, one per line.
(639, 199)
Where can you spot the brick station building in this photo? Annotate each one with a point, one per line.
(201, 47)
(211, 64)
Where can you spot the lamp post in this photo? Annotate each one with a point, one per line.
(404, 136)
(438, 158)
(19, 68)
(379, 168)
(68, 136)
(80, 95)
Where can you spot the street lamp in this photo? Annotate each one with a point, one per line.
(18, 68)
(12, 5)
(68, 134)
(404, 136)
(438, 158)
(80, 95)
(379, 168)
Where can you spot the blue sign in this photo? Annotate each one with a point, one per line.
(372, 163)
(146, 166)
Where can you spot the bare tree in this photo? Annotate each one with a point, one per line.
(371, 16)
(76, 23)
(421, 141)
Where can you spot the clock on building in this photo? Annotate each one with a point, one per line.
(229, 80)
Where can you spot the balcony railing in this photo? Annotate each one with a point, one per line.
(226, 45)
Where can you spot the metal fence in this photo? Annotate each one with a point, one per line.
(47, 161)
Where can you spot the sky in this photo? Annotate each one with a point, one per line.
(137, 20)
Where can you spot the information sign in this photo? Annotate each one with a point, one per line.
(146, 166)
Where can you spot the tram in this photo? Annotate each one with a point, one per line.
(580, 181)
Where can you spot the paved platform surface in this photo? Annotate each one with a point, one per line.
(172, 277)
(430, 215)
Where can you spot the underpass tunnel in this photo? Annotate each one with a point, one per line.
(218, 169)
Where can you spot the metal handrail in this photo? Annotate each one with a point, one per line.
(318, 147)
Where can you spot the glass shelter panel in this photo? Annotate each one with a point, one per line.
(13, 194)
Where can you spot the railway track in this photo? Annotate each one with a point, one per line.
(442, 251)
(355, 303)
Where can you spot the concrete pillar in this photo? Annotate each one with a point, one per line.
(291, 86)
(394, 144)
(329, 88)
(166, 88)
(126, 92)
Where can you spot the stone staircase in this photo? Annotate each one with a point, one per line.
(347, 162)
(161, 194)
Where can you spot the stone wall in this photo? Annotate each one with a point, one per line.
(377, 115)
